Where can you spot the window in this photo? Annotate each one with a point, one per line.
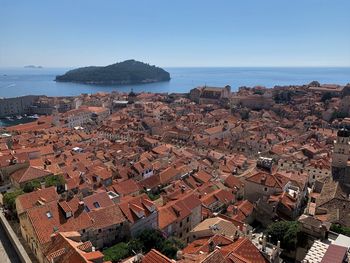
(188, 219)
(99, 230)
(180, 224)
(96, 204)
(48, 214)
(265, 189)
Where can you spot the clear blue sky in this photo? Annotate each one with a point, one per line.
(175, 33)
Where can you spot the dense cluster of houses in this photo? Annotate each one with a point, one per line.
(193, 167)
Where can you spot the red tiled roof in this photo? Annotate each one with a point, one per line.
(102, 172)
(132, 206)
(177, 210)
(150, 182)
(107, 216)
(102, 199)
(243, 250)
(28, 174)
(49, 218)
(334, 254)
(168, 174)
(30, 200)
(202, 244)
(67, 247)
(202, 176)
(232, 181)
(266, 179)
(154, 256)
(246, 207)
(214, 257)
(126, 187)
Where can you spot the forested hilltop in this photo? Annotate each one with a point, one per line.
(126, 72)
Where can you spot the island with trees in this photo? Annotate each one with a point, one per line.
(126, 72)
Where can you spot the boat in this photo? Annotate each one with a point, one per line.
(35, 116)
(19, 117)
(9, 118)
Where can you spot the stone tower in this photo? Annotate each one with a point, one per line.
(340, 157)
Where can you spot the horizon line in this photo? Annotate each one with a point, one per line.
(267, 66)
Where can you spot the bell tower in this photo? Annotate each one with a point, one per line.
(340, 156)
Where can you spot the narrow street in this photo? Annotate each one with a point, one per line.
(7, 252)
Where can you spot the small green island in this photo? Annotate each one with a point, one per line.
(126, 72)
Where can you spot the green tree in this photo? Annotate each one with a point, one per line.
(153, 196)
(9, 199)
(245, 113)
(171, 246)
(116, 252)
(326, 96)
(151, 238)
(144, 242)
(259, 92)
(284, 231)
(338, 115)
(283, 96)
(54, 180)
(135, 246)
(314, 84)
(341, 229)
(31, 186)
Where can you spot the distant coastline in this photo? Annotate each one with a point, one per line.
(33, 66)
(19, 81)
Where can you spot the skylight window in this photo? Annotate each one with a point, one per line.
(48, 214)
(96, 204)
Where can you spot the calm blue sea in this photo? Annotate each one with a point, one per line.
(23, 81)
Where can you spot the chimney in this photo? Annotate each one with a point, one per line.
(179, 255)
(211, 246)
(250, 235)
(245, 229)
(52, 236)
(138, 258)
(81, 204)
(264, 243)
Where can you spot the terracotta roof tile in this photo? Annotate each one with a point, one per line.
(36, 198)
(49, 218)
(28, 174)
(154, 256)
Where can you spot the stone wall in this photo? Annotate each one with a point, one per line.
(22, 254)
